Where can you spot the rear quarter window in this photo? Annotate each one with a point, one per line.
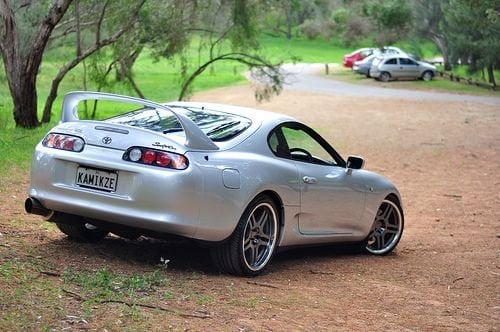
(218, 126)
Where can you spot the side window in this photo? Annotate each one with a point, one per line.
(277, 144)
(392, 61)
(406, 61)
(303, 147)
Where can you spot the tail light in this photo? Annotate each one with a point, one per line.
(63, 142)
(154, 157)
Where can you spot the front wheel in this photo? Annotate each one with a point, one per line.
(253, 243)
(387, 228)
(427, 76)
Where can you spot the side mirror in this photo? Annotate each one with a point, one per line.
(354, 162)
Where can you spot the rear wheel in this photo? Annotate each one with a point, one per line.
(385, 76)
(387, 228)
(253, 243)
(78, 228)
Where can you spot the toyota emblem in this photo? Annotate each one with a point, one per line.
(107, 140)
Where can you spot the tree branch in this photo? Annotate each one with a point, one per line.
(85, 54)
(56, 12)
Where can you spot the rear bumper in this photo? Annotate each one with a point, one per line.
(160, 200)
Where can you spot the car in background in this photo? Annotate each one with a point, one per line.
(391, 50)
(239, 181)
(363, 66)
(396, 67)
(359, 54)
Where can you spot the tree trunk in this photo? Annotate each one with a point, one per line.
(24, 98)
(443, 47)
(491, 75)
(288, 17)
(52, 96)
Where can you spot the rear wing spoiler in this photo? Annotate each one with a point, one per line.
(195, 138)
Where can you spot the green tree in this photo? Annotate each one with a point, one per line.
(25, 29)
(103, 23)
(27, 26)
(392, 19)
(472, 28)
(221, 31)
(428, 17)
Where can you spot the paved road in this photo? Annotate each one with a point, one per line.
(306, 77)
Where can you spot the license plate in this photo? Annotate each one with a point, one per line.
(96, 179)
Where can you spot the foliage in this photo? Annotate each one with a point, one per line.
(472, 29)
(392, 19)
(315, 29)
(106, 21)
(428, 15)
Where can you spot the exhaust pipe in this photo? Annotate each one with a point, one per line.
(33, 206)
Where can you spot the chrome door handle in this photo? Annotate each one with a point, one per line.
(309, 179)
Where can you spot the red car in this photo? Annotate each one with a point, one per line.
(360, 54)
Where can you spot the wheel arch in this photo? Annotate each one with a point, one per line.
(275, 197)
(396, 197)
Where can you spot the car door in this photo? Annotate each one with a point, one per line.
(392, 67)
(331, 199)
(408, 68)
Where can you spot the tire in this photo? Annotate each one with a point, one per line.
(427, 76)
(76, 228)
(253, 243)
(385, 76)
(387, 228)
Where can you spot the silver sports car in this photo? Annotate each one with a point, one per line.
(240, 181)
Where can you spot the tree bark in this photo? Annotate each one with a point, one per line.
(491, 75)
(288, 17)
(21, 84)
(24, 98)
(441, 44)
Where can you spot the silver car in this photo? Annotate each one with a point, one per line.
(363, 66)
(396, 67)
(240, 181)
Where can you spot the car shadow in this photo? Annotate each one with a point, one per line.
(180, 255)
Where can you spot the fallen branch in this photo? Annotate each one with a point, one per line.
(452, 196)
(202, 315)
(50, 273)
(73, 294)
(321, 272)
(263, 284)
(196, 314)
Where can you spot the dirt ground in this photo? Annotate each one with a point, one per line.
(444, 275)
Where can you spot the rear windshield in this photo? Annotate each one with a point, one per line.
(218, 126)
